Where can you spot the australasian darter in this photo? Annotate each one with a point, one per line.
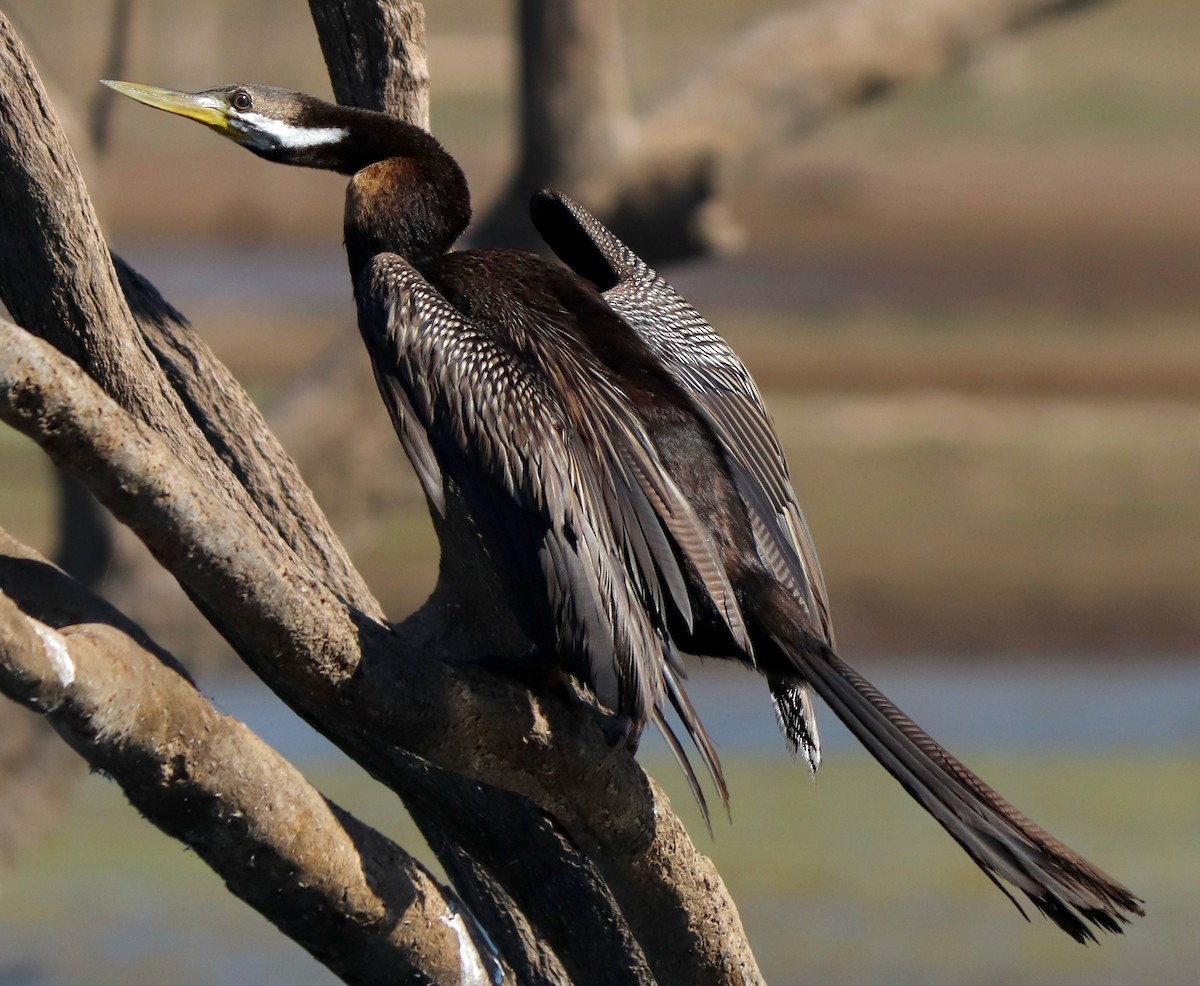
(618, 463)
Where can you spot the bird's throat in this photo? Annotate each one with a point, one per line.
(415, 207)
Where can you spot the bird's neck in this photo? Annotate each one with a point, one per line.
(407, 195)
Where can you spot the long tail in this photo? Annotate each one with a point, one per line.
(1005, 844)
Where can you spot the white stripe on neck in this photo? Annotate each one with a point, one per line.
(287, 135)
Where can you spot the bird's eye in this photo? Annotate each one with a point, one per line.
(242, 100)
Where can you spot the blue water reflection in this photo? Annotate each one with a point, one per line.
(998, 705)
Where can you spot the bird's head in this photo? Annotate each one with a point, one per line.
(283, 126)
(418, 205)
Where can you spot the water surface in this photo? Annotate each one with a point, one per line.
(842, 881)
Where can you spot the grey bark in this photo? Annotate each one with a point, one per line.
(355, 900)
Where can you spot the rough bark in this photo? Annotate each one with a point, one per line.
(59, 281)
(355, 900)
(380, 693)
(37, 772)
(375, 53)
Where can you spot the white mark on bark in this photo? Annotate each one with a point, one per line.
(470, 963)
(56, 650)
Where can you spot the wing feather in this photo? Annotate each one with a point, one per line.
(582, 494)
(708, 370)
(723, 393)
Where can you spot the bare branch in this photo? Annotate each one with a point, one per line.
(263, 476)
(787, 74)
(100, 109)
(194, 529)
(349, 676)
(348, 895)
(85, 316)
(61, 284)
(375, 52)
(227, 418)
(298, 635)
(573, 99)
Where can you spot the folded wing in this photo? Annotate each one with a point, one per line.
(708, 370)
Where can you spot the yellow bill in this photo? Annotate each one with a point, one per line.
(202, 107)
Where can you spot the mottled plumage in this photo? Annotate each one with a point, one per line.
(568, 495)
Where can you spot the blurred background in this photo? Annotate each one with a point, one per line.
(972, 306)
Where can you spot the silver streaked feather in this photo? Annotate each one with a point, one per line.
(574, 503)
(707, 369)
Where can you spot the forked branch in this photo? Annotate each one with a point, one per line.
(347, 894)
(169, 442)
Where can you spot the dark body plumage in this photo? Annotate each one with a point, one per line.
(618, 465)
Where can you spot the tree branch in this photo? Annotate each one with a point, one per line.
(352, 898)
(348, 675)
(375, 53)
(785, 75)
(62, 285)
(329, 661)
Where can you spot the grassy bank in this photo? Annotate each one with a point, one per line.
(844, 881)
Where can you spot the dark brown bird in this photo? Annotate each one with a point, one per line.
(618, 464)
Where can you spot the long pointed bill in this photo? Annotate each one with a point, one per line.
(201, 107)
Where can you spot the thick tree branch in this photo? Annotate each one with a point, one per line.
(375, 53)
(264, 477)
(191, 526)
(348, 895)
(348, 675)
(37, 772)
(324, 657)
(58, 242)
(57, 280)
